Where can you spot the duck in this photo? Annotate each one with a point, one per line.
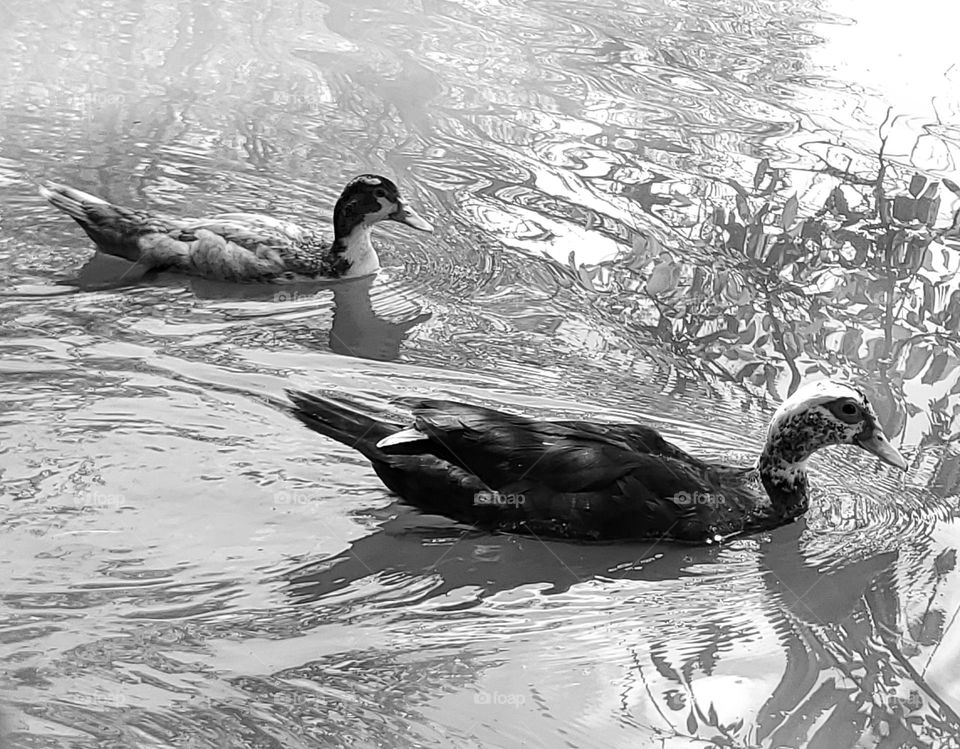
(594, 481)
(244, 247)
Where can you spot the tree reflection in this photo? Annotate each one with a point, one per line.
(789, 651)
(593, 112)
(864, 284)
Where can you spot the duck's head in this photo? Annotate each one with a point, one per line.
(368, 199)
(819, 414)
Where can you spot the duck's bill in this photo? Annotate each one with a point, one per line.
(877, 444)
(406, 215)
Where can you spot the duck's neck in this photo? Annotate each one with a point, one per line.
(782, 467)
(358, 251)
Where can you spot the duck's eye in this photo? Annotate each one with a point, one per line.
(379, 193)
(847, 411)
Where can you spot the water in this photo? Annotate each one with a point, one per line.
(185, 565)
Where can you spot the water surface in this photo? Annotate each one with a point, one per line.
(186, 565)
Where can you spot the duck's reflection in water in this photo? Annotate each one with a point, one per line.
(753, 641)
(104, 272)
(371, 320)
(372, 315)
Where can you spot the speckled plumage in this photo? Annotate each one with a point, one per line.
(589, 481)
(239, 246)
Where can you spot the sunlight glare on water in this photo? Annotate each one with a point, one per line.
(650, 210)
(904, 55)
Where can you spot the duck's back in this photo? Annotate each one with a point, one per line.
(571, 479)
(229, 246)
(244, 246)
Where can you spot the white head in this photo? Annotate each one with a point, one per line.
(826, 413)
(365, 201)
(369, 199)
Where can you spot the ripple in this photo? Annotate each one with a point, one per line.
(186, 564)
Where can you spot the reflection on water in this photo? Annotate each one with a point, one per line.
(663, 211)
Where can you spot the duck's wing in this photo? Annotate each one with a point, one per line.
(567, 479)
(638, 437)
(246, 246)
(251, 230)
(564, 455)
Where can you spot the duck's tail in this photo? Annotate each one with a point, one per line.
(115, 230)
(432, 484)
(343, 421)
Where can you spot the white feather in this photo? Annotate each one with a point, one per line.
(403, 437)
(813, 394)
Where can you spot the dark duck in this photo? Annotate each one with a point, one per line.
(596, 481)
(245, 247)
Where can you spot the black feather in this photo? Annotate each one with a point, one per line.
(569, 479)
